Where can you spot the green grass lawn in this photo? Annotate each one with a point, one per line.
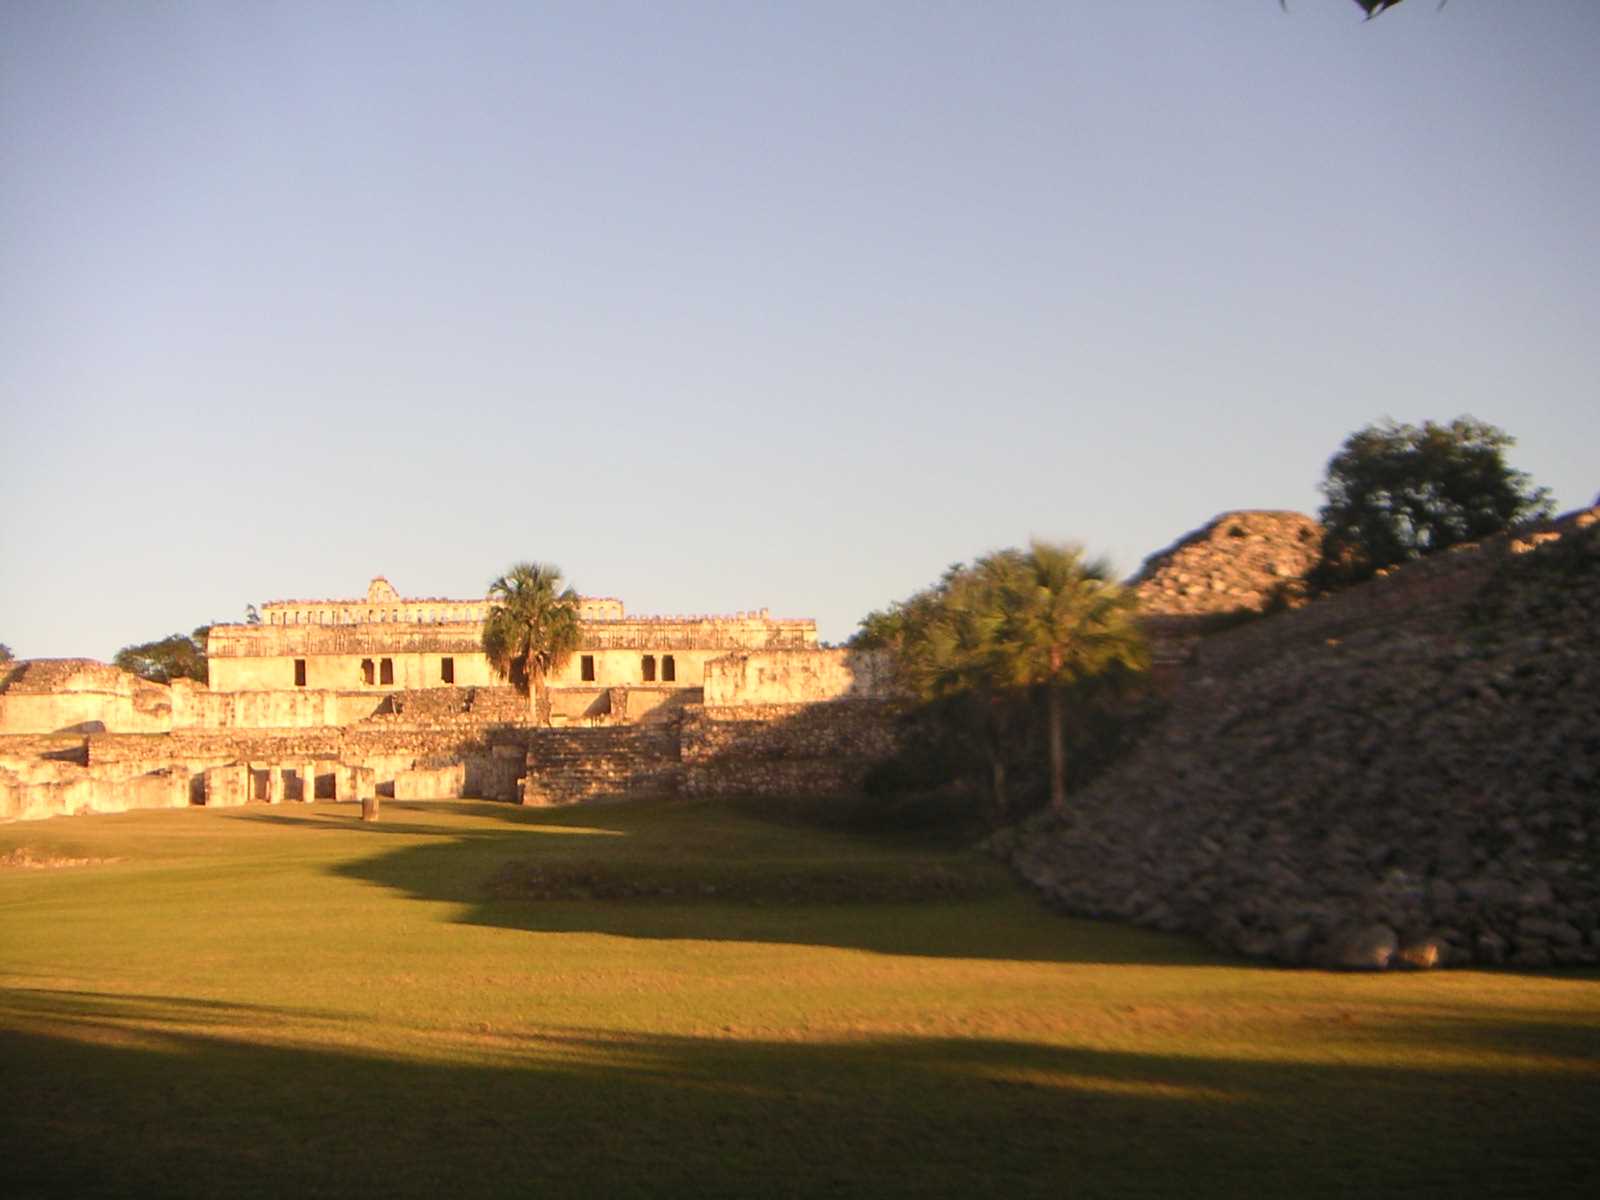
(470, 999)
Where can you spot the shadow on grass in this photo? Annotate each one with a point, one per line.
(566, 1112)
(709, 872)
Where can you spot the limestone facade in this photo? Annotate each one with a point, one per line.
(393, 696)
(387, 643)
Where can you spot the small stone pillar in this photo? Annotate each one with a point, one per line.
(363, 786)
(308, 782)
(275, 784)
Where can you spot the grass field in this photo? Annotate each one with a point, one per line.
(474, 999)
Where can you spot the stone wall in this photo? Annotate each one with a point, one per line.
(565, 766)
(79, 695)
(195, 706)
(794, 749)
(768, 677)
(40, 788)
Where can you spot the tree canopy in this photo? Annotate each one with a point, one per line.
(5, 653)
(1015, 623)
(1397, 492)
(176, 656)
(531, 629)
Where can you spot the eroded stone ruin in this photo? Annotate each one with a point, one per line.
(1405, 774)
(384, 695)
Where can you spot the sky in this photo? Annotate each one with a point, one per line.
(729, 306)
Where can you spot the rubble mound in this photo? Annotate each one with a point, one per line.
(41, 676)
(1245, 561)
(1398, 796)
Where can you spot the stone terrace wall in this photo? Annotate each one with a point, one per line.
(197, 707)
(1423, 597)
(565, 766)
(784, 749)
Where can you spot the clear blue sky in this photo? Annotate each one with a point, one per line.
(723, 306)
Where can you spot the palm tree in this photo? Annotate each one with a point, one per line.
(531, 629)
(1066, 626)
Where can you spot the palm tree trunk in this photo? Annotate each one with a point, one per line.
(994, 730)
(1058, 753)
(997, 781)
(538, 706)
(540, 695)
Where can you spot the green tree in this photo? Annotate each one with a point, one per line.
(1068, 629)
(5, 654)
(173, 657)
(1397, 492)
(940, 641)
(531, 629)
(1014, 623)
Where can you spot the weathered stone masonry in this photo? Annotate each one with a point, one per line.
(388, 696)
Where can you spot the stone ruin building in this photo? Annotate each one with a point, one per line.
(389, 695)
(345, 652)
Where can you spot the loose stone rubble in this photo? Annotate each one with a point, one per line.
(1406, 775)
(1239, 561)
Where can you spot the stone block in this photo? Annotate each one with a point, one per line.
(227, 787)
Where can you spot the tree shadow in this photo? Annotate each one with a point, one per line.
(182, 1111)
(706, 871)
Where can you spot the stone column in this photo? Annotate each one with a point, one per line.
(363, 787)
(227, 786)
(275, 784)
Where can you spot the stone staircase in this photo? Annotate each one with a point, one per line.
(571, 764)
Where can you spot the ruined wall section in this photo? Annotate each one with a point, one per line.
(787, 676)
(784, 749)
(383, 604)
(567, 766)
(50, 695)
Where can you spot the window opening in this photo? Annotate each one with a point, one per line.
(299, 672)
(447, 670)
(366, 672)
(647, 666)
(669, 669)
(586, 664)
(386, 670)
